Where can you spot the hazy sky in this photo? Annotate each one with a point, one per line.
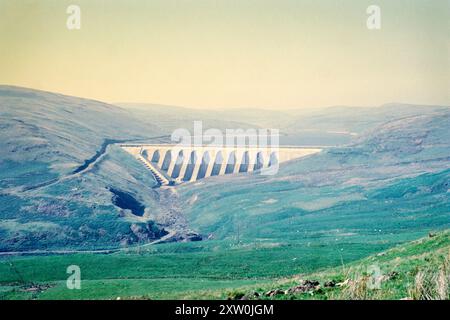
(230, 53)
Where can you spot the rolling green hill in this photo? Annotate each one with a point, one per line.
(58, 167)
(67, 191)
(418, 270)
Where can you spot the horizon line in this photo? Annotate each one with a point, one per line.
(309, 108)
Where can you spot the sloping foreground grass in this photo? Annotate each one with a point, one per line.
(175, 269)
(416, 270)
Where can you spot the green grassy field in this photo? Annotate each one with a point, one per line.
(204, 270)
(416, 270)
(318, 218)
(167, 270)
(253, 251)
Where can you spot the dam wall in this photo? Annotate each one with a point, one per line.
(172, 164)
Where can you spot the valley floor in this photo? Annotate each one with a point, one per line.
(415, 270)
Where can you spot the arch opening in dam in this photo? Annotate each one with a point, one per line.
(273, 159)
(167, 160)
(259, 163)
(156, 156)
(229, 167)
(174, 164)
(178, 164)
(203, 166)
(190, 166)
(244, 163)
(217, 164)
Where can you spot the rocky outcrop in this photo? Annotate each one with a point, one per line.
(142, 233)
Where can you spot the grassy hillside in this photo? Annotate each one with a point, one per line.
(344, 125)
(390, 186)
(419, 269)
(416, 270)
(64, 188)
(57, 191)
(57, 171)
(57, 130)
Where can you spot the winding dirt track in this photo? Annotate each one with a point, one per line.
(87, 166)
(88, 163)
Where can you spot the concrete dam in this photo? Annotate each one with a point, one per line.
(174, 164)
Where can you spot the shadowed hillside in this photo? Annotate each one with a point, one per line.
(57, 170)
(65, 185)
(391, 185)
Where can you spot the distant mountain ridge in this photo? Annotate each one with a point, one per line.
(321, 126)
(48, 202)
(393, 176)
(44, 126)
